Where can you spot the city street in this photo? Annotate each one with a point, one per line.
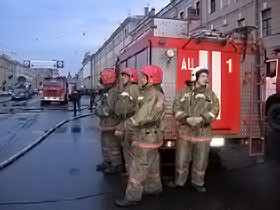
(176, 75)
(60, 172)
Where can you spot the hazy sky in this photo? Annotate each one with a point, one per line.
(62, 29)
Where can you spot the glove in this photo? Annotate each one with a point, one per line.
(128, 125)
(198, 120)
(105, 113)
(191, 121)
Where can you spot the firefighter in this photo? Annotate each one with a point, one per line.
(195, 107)
(144, 174)
(111, 147)
(125, 108)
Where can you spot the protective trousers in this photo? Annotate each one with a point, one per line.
(127, 149)
(105, 155)
(125, 137)
(113, 146)
(186, 151)
(144, 173)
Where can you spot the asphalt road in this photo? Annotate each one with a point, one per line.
(60, 174)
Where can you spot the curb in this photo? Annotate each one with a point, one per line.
(37, 141)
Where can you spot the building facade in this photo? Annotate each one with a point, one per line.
(86, 72)
(106, 56)
(41, 73)
(227, 15)
(10, 70)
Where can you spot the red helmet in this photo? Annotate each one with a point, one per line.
(132, 73)
(108, 76)
(154, 74)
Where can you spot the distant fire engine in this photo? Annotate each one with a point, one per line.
(55, 89)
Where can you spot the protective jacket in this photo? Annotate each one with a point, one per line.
(106, 111)
(148, 117)
(196, 102)
(127, 101)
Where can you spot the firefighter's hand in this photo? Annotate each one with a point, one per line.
(191, 121)
(198, 120)
(129, 124)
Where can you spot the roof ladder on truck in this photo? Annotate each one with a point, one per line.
(256, 122)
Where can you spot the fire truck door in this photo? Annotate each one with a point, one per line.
(271, 77)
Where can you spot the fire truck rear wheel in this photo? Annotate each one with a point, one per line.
(273, 117)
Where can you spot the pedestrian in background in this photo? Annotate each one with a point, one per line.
(75, 97)
(195, 107)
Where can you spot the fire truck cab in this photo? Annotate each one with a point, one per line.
(55, 89)
(273, 92)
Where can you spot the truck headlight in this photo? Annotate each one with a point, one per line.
(217, 142)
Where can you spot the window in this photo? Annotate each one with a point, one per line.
(212, 6)
(241, 22)
(225, 22)
(271, 69)
(197, 6)
(266, 22)
(181, 15)
(126, 32)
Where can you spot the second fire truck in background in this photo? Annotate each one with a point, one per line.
(55, 89)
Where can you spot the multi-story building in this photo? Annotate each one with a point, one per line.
(10, 70)
(41, 73)
(106, 56)
(85, 74)
(227, 15)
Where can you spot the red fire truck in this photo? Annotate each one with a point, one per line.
(55, 89)
(236, 75)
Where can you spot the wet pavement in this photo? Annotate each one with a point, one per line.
(28, 123)
(60, 174)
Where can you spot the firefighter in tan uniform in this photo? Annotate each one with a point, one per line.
(195, 107)
(111, 147)
(144, 174)
(125, 108)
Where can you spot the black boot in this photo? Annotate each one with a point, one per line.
(126, 203)
(102, 166)
(112, 169)
(199, 188)
(172, 184)
(154, 193)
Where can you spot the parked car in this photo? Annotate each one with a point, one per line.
(20, 94)
(4, 93)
